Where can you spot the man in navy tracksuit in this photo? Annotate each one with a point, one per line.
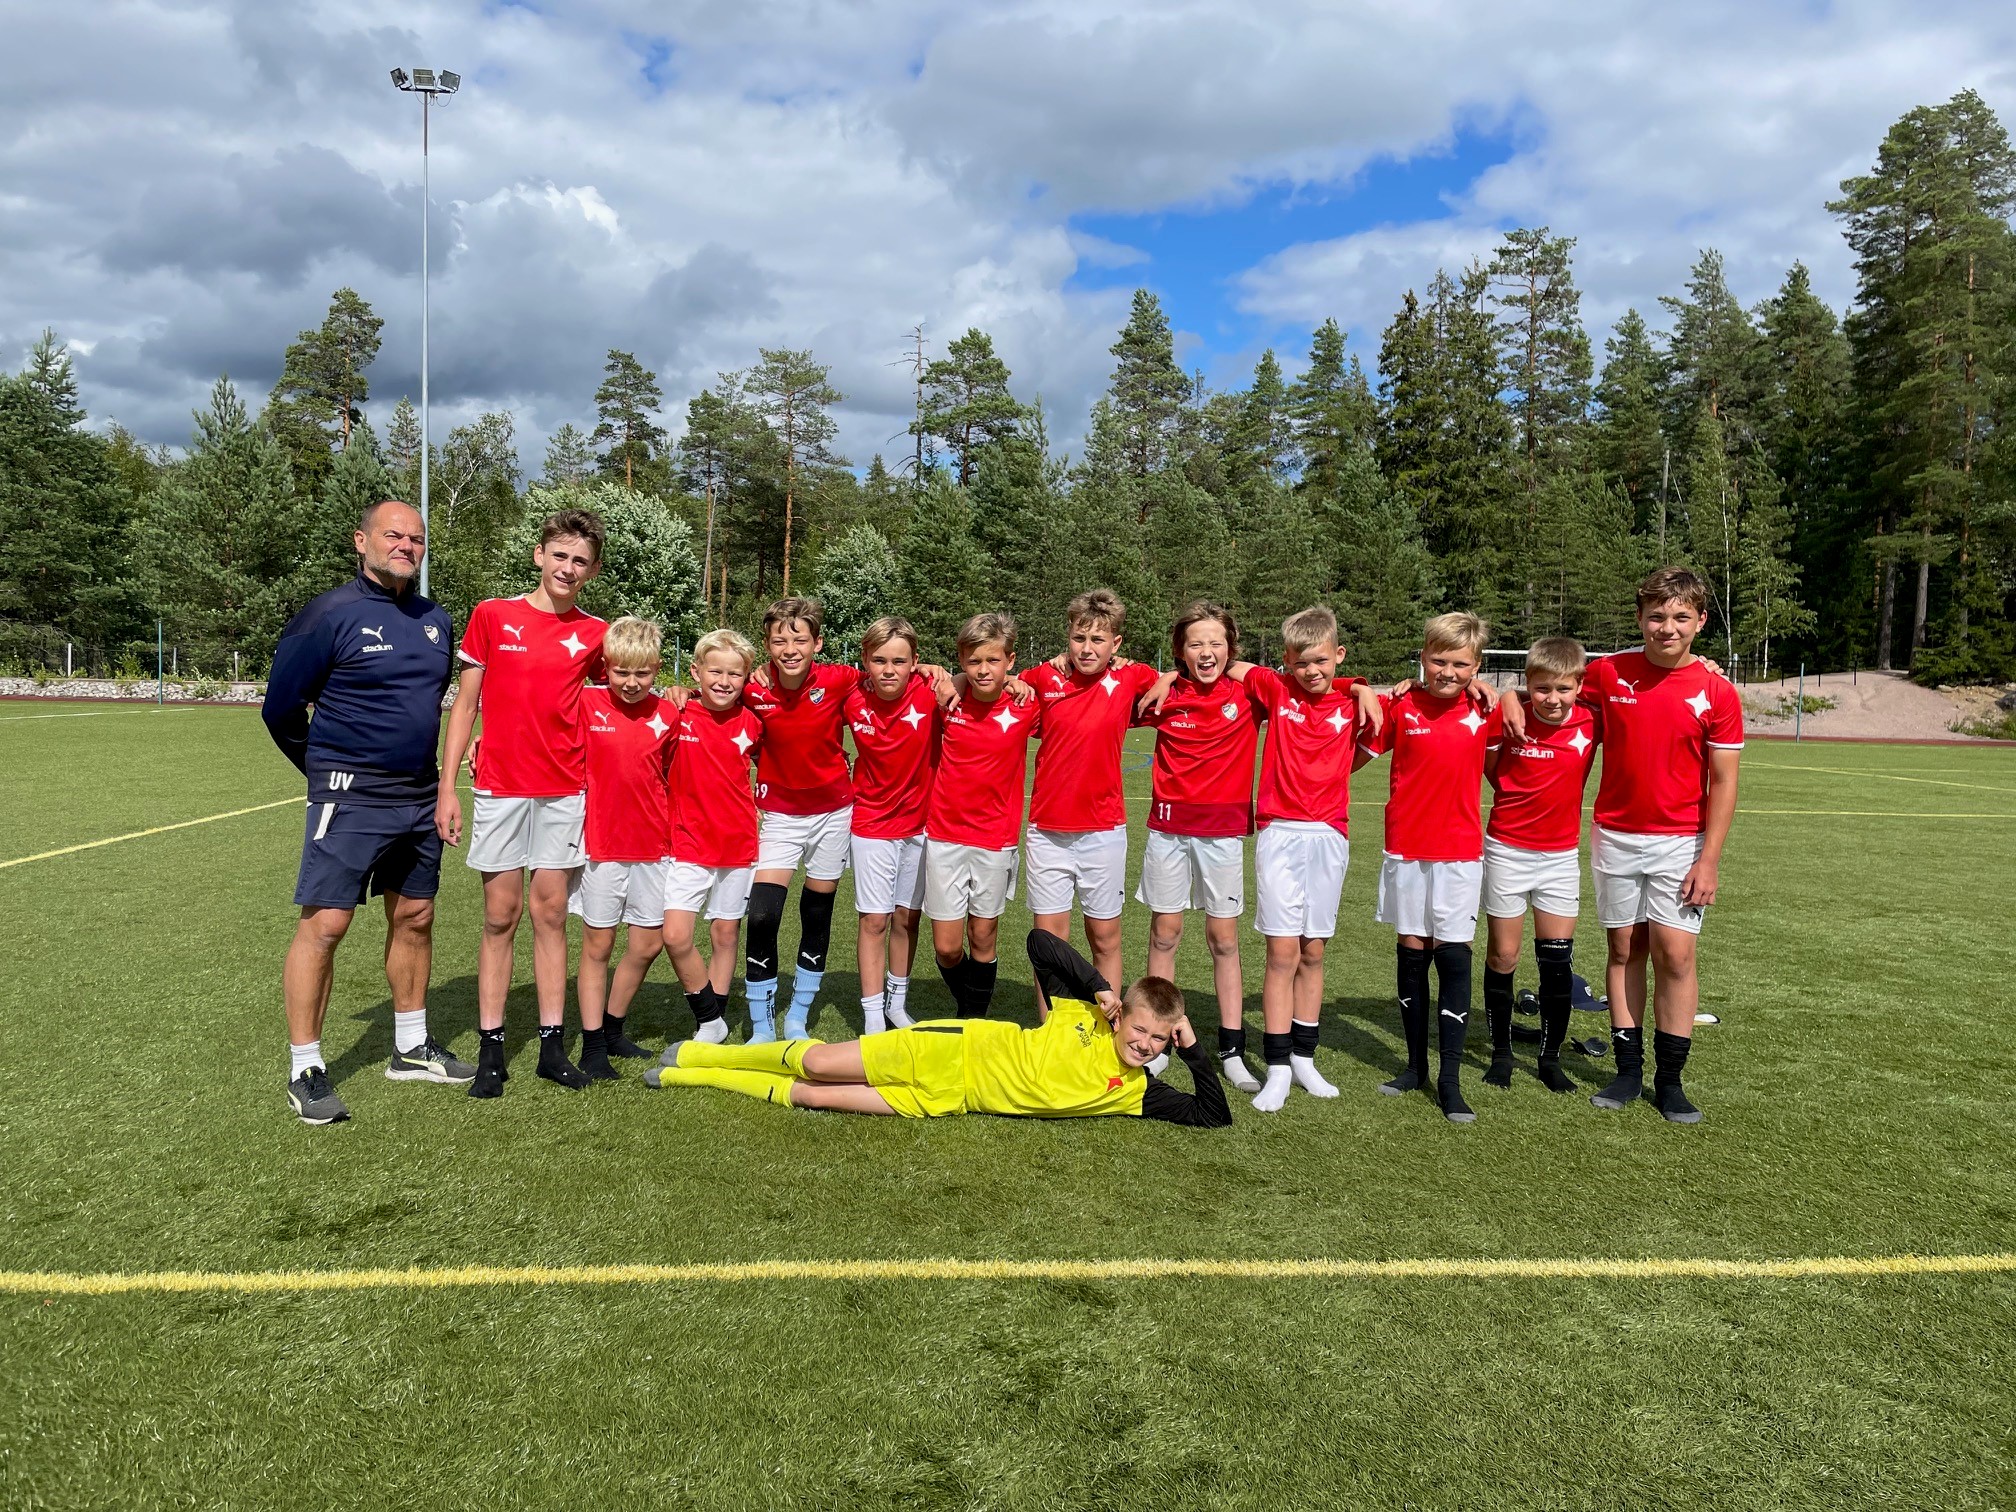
(372, 658)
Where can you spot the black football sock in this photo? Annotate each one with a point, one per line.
(1669, 1059)
(1231, 1043)
(595, 1055)
(1628, 1046)
(759, 955)
(705, 1005)
(1498, 1017)
(618, 1041)
(553, 1062)
(1276, 1048)
(1302, 1037)
(1557, 984)
(1412, 976)
(815, 929)
(954, 977)
(1452, 1018)
(980, 976)
(490, 1072)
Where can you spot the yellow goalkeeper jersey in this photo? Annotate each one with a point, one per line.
(1067, 1067)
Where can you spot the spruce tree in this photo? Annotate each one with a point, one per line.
(51, 373)
(1149, 391)
(1628, 444)
(1331, 408)
(65, 515)
(945, 576)
(570, 458)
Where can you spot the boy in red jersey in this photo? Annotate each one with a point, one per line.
(525, 662)
(1530, 853)
(1200, 811)
(1077, 841)
(894, 721)
(975, 814)
(713, 827)
(1672, 733)
(628, 730)
(1432, 872)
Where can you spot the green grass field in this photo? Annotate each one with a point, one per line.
(1858, 1094)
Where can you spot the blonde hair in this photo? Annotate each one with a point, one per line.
(983, 628)
(633, 642)
(724, 639)
(1307, 630)
(1555, 656)
(1100, 608)
(1158, 996)
(1455, 632)
(886, 629)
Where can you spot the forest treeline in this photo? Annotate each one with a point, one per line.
(1843, 482)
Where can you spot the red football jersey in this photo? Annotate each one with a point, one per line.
(1305, 770)
(535, 666)
(1658, 727)
(1203, 771)
(895, 759)
(713, 811)
(803, 768)
(1085, 725)
(1437, 746)
(629, 748)
(1540, 781)
(983, 763)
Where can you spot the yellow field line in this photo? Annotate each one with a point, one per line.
(159, 829)
(1845, 1267)
(1786, 766)
(1871, 814)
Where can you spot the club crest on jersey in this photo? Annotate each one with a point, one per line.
(1229, 709)
(434, 634)
(818, 695)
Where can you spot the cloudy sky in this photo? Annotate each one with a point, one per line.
(183, 182)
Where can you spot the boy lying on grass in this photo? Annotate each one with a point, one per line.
(1086, 1059)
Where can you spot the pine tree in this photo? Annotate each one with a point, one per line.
(944, 575)
(794, 394)
(1545, 351)
(1628, 444)
(965, 401)
(1149, 391)
(626, 402)
(570, 458)
(322, 388)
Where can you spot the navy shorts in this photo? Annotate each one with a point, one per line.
(357, 850)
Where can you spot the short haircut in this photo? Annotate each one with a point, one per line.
(982, 629)
(891, 627)
(371, 512)
(633, 642)
(1155, 995)
(732, 641)
(584, 523)
(1195, 613)
(1456, 632)
(790, 611)
(1555, 656)
(1307, 630)
(1673, 583)
(1100, 608)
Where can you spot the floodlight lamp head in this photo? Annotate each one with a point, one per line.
(399, 78)
(423, 78)
(450, 82)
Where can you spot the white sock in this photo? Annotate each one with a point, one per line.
(1308, 1078)
(1236, 1073)
(1270, 1097)
(897, 990)
(301, 1057)
(872, 1021)
(714, 1031)
(1158, 1065)
(409, 1030)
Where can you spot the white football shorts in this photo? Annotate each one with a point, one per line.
(817, 842)
(510, 834)
(1638, 879)
(1193, 871)
(1514, 879)
(1089, 866)
(1436, 900)
(888, 874)
(967, 881)
(1299, 871)
(604, 894)
(722, 890)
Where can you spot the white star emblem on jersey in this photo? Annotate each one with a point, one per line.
(1337, 721)
(1580, 741)
(1110, 683)
(743, 742)
(657, 726)
(574, 644)
(1472, 721)
(1699, 703)
(1005, 719)
(912, 716)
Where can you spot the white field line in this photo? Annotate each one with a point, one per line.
(159, 829)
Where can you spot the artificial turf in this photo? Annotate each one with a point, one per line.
(1858, 1103)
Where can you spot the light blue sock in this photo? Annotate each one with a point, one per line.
(762, 999)
(804, 990)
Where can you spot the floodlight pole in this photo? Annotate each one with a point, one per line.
(426, 205)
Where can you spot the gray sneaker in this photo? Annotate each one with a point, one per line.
(315, 1102)
(431, 1062)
